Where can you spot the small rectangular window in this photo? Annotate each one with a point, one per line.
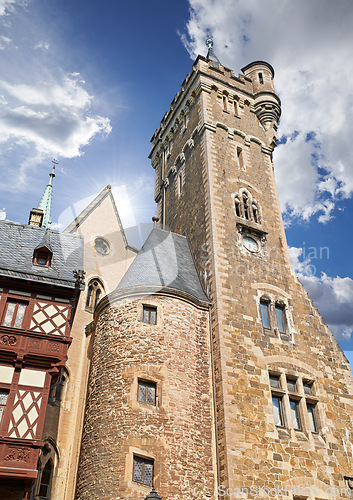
(147, 392)
(150, 315)
(311, 415)
(307, 387)
(14, 314)
(294, 409)
(277, 411)
(143, 471)
(274, 381)
(281, 321)
(265, 317)
(3, 399)
(291, 384)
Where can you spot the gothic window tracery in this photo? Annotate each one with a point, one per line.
(94, 294)
(42, 488)
(246, 207)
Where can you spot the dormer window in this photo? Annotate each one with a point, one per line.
(42, 257)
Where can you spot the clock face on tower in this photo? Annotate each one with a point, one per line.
(250, 244)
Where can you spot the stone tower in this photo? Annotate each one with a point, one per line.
(283, 388)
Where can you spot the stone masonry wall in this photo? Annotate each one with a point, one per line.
(253, 451)
(177, 432)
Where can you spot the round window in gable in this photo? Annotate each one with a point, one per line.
(102, 246)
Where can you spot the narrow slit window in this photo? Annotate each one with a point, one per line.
(180, 183)
(237, 207)
(312, 417)
(224, 103)
(3, 400)
(255, 212)
(89, 295)
(240, 159)
(265, 316)
(278, 411)
(246, 207)
(236, 110)
(281, 318)
(261, 79)
(294, 410)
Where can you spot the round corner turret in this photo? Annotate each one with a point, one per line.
(267, 103)
(261, 74)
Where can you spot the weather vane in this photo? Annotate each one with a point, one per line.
(209, 42)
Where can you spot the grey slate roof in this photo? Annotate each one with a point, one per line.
(18, 242)
(164, 260)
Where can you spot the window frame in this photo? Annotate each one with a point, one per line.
(149, 309)
(280, 309)
(147, 384)
(94, 287)
(281, 412)
(295, 403)
(145, 461)
(296, 410)
(17, 302)
(314, 421)
(265, 303)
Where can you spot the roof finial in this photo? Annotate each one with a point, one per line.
(45, 202)
(211, 56)
(209, 43)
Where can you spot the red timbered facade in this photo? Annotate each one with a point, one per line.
(36, 314)
(34, 339)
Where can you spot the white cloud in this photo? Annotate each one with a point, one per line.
(309, 45)
(53, 117)
(332, 296)
(2, 213)
(6, 6)
(42, 45)
(46, 110)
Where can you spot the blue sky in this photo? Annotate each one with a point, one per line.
(88, 82)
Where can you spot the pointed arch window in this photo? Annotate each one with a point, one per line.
(237, 206)
(224, 102)
(246, 206)
(255, 213)
(45, 480)
(95, 291)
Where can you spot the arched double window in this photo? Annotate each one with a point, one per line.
(274, 315)
(95, 292)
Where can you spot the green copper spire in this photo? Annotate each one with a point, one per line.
(45, 202)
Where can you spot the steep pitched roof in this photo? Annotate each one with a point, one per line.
(18, 242)
(164, 261)
(107, 192)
